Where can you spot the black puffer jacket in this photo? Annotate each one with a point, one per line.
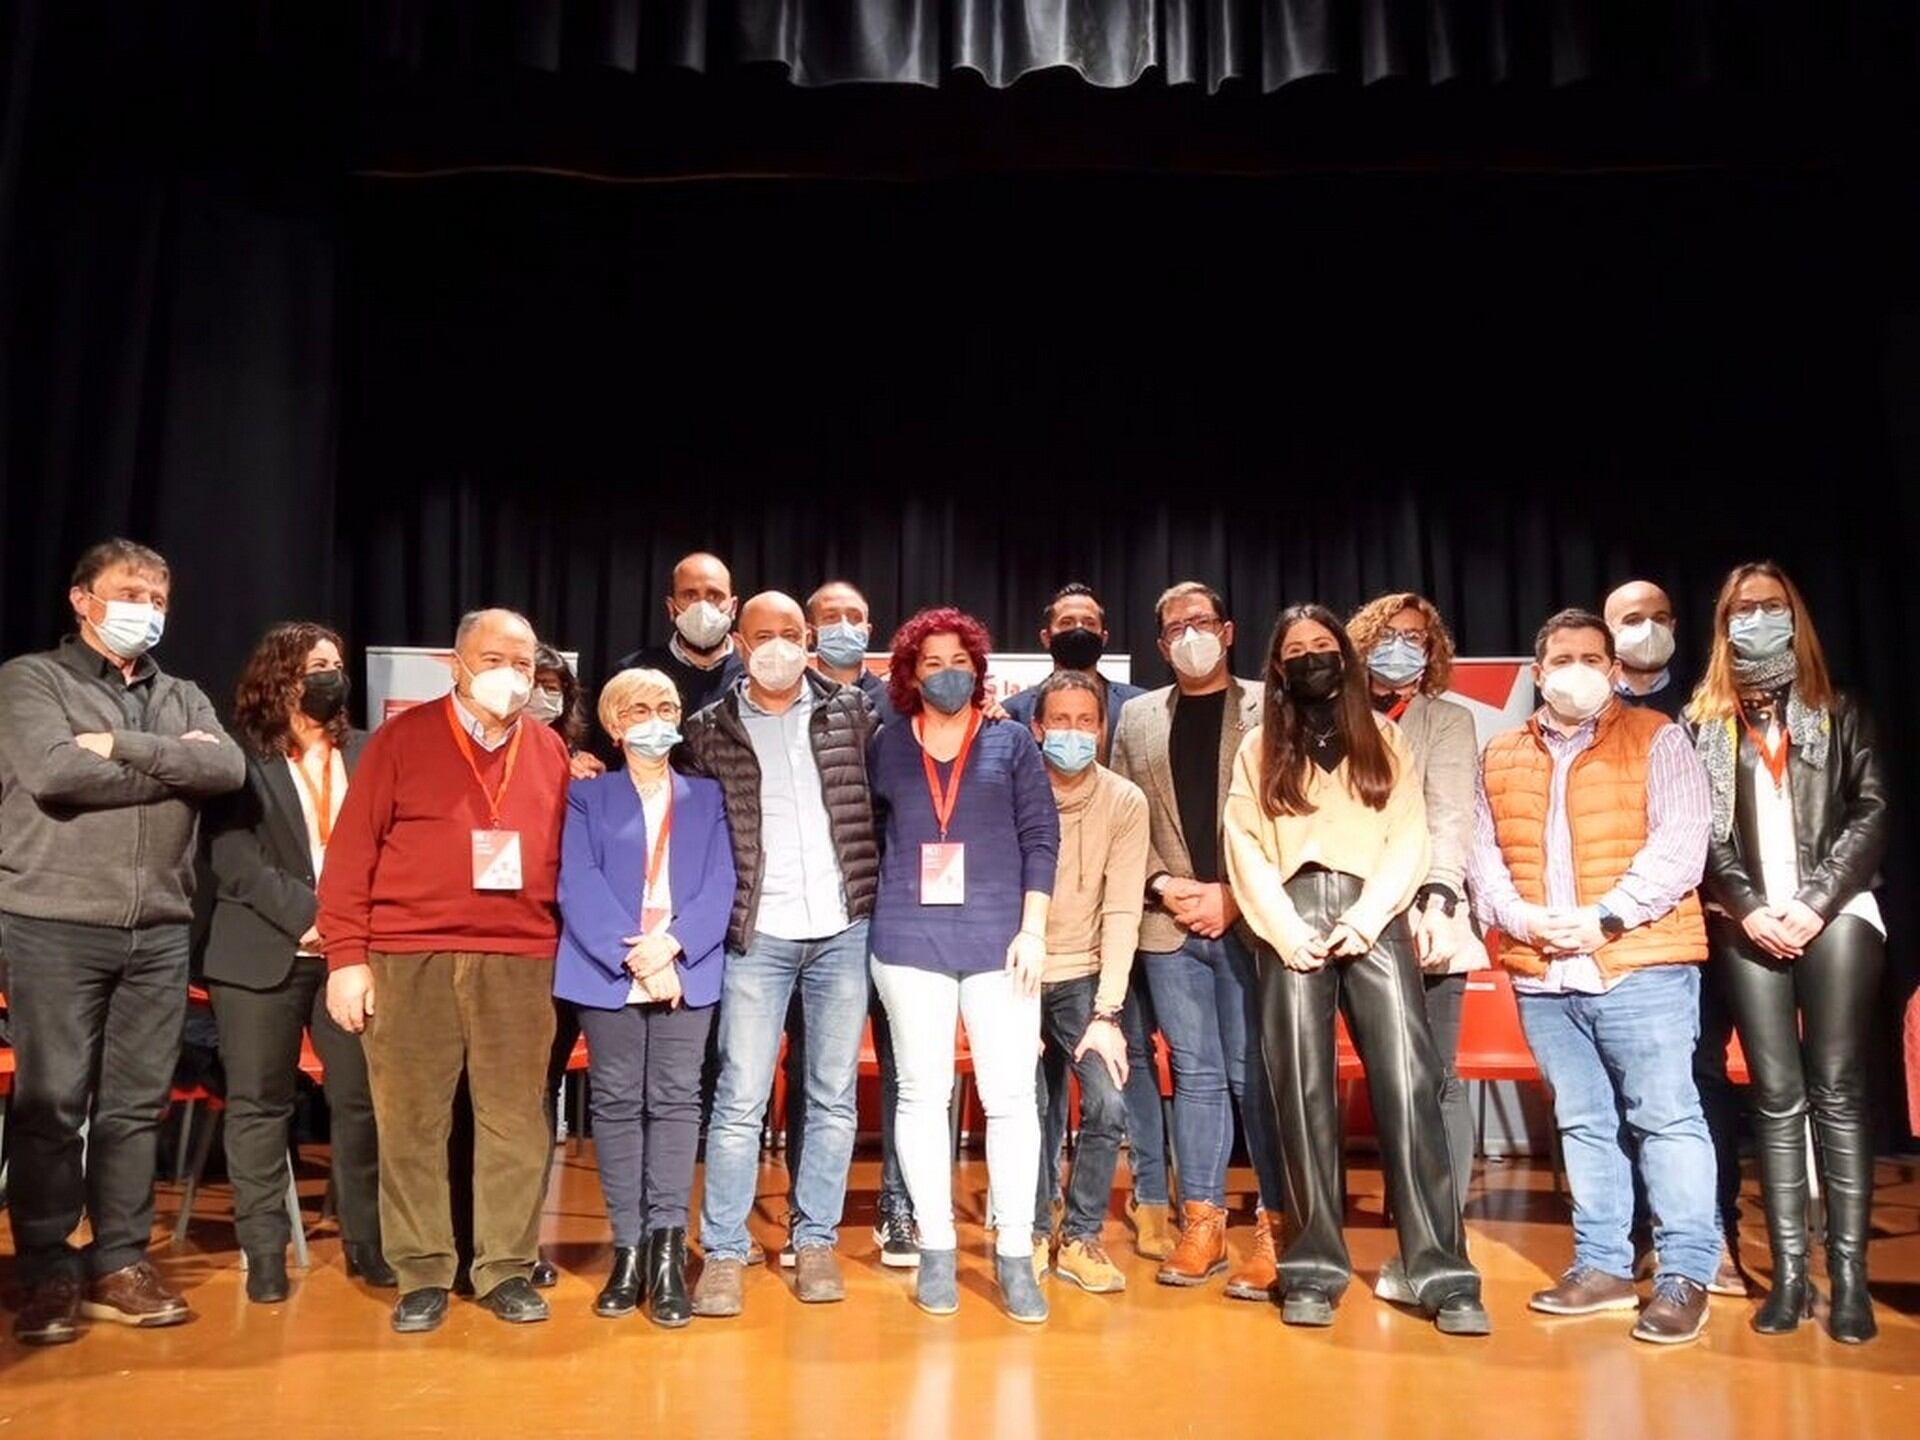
(717, 745)
(1839, 816)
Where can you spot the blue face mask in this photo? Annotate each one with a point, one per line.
(948, 691)
(1069, 751)
(1397, 660)
(651, 739)
(1760, 636)
(841, 645)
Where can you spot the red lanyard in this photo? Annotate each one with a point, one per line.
(659, 848)
(1774, 759)
(1399, 707)
(499, 796)
(943, 803)
(322, 797)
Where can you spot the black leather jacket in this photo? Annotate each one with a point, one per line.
(1839, 820)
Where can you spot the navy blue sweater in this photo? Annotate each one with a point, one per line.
(1005, 817)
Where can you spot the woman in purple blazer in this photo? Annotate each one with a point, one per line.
(646, 886)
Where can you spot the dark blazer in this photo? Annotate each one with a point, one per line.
(1839, 816)
(603, 874)
(260, 874)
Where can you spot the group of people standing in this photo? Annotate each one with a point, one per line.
(790, 850)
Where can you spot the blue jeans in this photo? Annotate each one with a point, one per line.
(831, 976)
(1066, 1008)
(893, 1198)
(1628, 1054)
(1146, 1126)
(1205, 994)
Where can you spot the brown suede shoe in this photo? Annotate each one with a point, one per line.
(817, 1276)
(1677, 1313)
(135, 1295)
(1585, 1291)
(717, 1296)
(51, 1315)
(1255, 1278)
(1153, 1233)
(1202, 1251)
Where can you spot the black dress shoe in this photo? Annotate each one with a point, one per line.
(421, 1310)
(544, 1276)
(667, 1301)
(622, 1292)
(1850, 1310)
(267, 1282)
(516, 1302)
(1791, 1299)
(366, 1262)
(1462, 1315)
(1307, 1305)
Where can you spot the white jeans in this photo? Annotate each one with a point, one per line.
(1003, 1031)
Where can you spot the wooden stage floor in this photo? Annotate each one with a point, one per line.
(1152, 1362)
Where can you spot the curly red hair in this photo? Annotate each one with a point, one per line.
(902, 689)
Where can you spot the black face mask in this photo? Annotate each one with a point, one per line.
(1076, 649)
(1313, 677)
(323, 694)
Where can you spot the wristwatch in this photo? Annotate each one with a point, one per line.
(1611, 925)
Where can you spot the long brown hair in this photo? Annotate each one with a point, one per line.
(269, 686)
(1718, 694)
(1284, 760)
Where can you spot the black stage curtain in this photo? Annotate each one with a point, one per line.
(964, 362)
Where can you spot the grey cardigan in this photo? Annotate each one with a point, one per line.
(93, 841)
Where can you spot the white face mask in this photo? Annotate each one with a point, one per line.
(777, 664)
(545, 706)
(703, 624)
(502, 691)
(1577, 692)
(1645, 644)
(1195, 654)
(130, 627)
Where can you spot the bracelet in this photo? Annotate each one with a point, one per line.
(1426, 893)
(1033, 934)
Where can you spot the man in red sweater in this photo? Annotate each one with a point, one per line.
(437, 919)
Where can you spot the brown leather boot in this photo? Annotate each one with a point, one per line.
(1257, 1275)
(1202, 1251)
(51, 1315)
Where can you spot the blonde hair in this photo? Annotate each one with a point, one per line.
(1717, 697)
(628, 686)
(1369, 623)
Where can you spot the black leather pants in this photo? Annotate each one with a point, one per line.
(1806, 1026)
(1382, 997)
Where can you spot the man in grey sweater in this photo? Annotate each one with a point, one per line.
(104, 763)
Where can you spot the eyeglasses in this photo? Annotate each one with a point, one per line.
(640, 710)
(1206, 626)
(1743, 608)
(1416, 638)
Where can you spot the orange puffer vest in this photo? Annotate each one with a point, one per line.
(1606, 807)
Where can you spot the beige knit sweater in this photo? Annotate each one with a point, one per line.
(1093, 922)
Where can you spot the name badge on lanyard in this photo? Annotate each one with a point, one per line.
(496, 852)
(653, 918)
(943, 863)
(496, 859)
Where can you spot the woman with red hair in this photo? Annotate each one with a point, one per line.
(971, 837)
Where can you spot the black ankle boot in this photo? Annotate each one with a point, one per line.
(370, 1265)
(267, 1282)
(625, 1285)
(667, 1301)
(1850, 1313)
(1791, 1299)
